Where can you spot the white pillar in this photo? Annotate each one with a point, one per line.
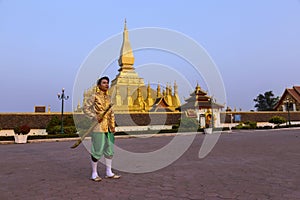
(294, 107)
(283, 108)
(218, 116)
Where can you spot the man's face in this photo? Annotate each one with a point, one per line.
(104, 85)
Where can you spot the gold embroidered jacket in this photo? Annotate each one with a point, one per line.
(95, 106)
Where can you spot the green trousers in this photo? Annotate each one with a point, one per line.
(102, 144)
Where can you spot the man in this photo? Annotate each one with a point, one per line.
(103, 133)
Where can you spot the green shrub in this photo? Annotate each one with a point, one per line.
(251, 124)
(57, 129)
(69, 121)
(70, 130)
(246, 125)
(34, 137)
(52, 123)
(277, 120)
(17, 130)
(239, 126)
(190, 123)
(53, 129)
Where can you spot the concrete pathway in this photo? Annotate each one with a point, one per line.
(242, 165)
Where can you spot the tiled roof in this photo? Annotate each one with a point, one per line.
(297, 89)
(293, 92)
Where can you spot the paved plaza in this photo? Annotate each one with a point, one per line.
(242, 165)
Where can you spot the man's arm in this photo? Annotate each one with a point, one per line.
(88, 107)
(112, 123)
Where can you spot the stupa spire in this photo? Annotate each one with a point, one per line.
(158, 93)
(126, 59)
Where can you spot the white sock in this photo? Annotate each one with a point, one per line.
(108, 167)
(94, 168)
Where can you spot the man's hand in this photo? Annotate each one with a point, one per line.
(99, 118)
(113, 131)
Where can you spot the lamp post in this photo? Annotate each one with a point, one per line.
(288, 101)
(62, 97)
(231, 118)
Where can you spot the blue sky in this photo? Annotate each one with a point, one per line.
(255, 44)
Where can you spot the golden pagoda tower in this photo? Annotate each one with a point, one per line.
(127, 83)
(128, 91)
(127, 75)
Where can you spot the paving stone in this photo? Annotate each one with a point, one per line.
(252, 165)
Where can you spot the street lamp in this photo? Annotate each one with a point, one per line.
(62, 97)
(231, 118)
(288, 102)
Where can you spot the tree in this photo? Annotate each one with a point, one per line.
(266, 101)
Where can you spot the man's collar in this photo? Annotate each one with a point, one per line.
(102, 92)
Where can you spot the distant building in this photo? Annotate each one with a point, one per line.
(291, 95)
(39, 109)
(202, 107)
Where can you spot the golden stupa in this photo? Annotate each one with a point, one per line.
(129, 92)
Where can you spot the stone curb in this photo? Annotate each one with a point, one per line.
(117, 136)
(147, 135)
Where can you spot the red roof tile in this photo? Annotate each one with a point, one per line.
(294, 92)
(297, 89)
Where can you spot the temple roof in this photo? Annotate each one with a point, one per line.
(294, 93)
(160, 104)
(199, 99)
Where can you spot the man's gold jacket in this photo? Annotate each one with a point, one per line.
(94, 108)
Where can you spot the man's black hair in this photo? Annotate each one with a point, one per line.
(102, 78)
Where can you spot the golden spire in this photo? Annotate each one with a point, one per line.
(197, 89)
(168, 94)
(176, 100)
(158, 93)
(78, 105)
(175, 88)
(126, 59)
(139, 92)
(148, 90)
(164, 93)
(149, 99)
(167, 89)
